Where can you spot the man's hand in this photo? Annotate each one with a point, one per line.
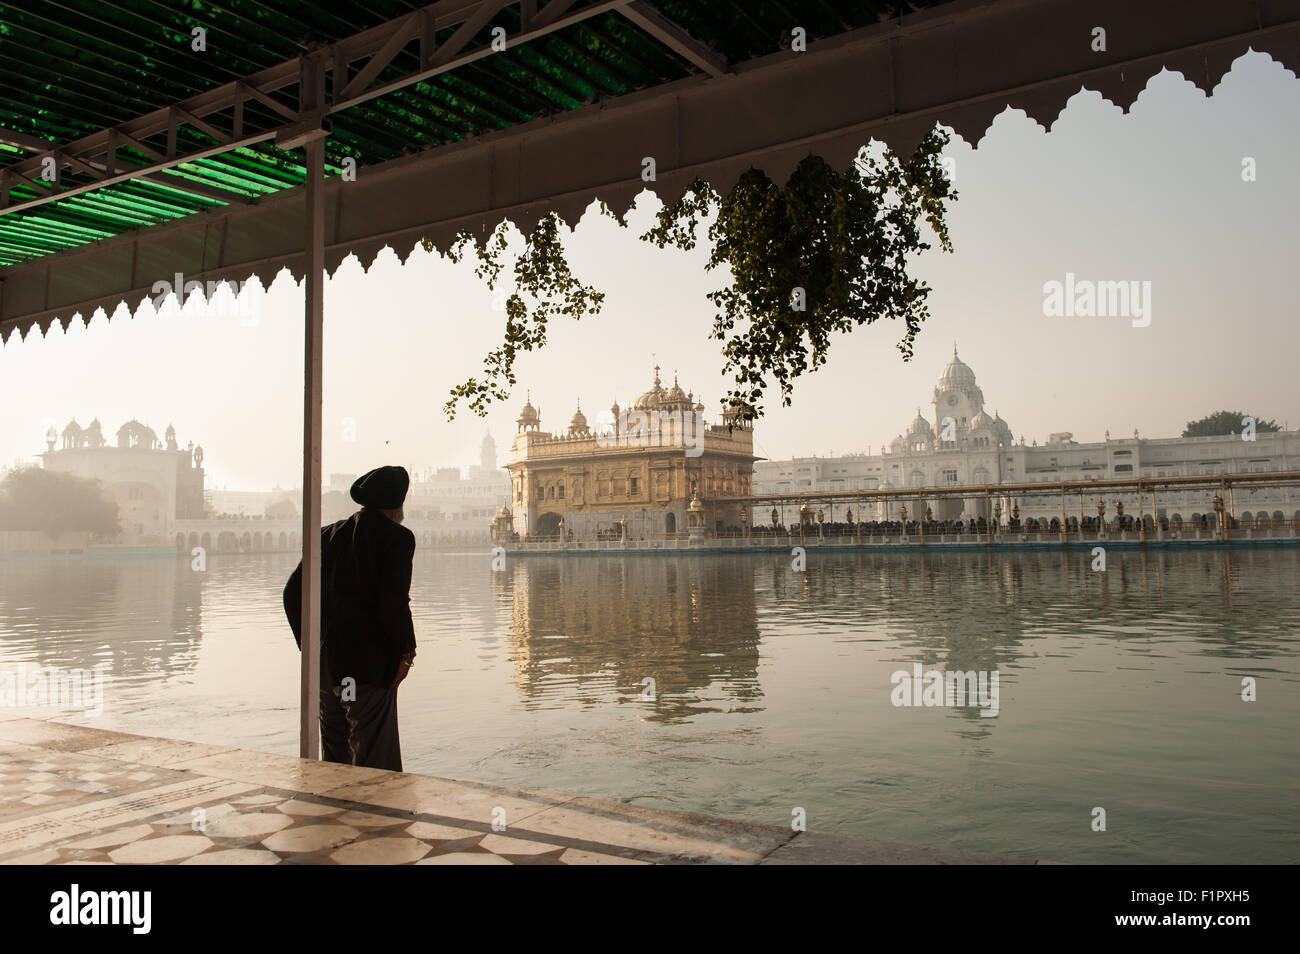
(403, 667)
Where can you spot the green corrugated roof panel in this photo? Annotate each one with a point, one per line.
(75, 67)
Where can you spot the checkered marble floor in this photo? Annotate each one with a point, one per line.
(275, 827)
(73, 795)
(70, 795)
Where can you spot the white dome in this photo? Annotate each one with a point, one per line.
(1003, 428)
(957, 375)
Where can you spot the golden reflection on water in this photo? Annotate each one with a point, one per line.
(771, 687)
(685, 624)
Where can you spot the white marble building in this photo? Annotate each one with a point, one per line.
(154, 482)
(963, 445)
(445, 506)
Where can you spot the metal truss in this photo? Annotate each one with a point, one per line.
(354, 66)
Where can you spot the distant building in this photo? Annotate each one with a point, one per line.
(445, 508)
(638, 469)
(153, 482)
(487, 467)
(341, 482)
(964, 446)
(250, 503)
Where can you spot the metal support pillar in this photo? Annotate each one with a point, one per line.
(313, 329)
(1065, 531)
(1142, 517)
(1232, 511)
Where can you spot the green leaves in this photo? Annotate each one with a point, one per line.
(33, 498)
(827, 253)
(543, 273)
(1226, 422)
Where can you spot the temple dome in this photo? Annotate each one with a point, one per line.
(650, 399)
(135, 435)
(957, 374)
(920, 425)
(578, 424)
(529, 417)
(1002, 427)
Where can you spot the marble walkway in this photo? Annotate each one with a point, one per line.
(74, 795)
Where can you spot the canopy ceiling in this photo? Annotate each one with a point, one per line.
(175, 160)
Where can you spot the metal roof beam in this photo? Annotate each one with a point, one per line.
(85, 168)
(181, 184)
(551, 12)
(535, 31)
(527, 13)
(8, 177)
(467, 31)
(140, 147)
(878, 81)
(378, 42)
(675, 38)
(404, 31)
(191, 120)
(243, 88)
(20, 140)
(100, 171)
(105, 142)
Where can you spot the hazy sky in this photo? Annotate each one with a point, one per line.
(1155, 195)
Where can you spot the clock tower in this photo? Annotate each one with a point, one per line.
(956, 396)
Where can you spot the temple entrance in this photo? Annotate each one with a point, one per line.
(947, 508)
(670, 523)
(548, 525)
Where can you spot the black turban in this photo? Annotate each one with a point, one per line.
(384, 488)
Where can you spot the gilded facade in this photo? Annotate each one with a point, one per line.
(633, 472)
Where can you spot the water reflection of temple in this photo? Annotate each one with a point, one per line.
(128, 618)
(994, 611)
(599, 627)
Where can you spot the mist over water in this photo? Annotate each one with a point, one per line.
(772, 689)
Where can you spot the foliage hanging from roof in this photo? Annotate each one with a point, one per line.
(826, 253)
(543, 272)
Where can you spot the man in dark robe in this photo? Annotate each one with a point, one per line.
(367, 637)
